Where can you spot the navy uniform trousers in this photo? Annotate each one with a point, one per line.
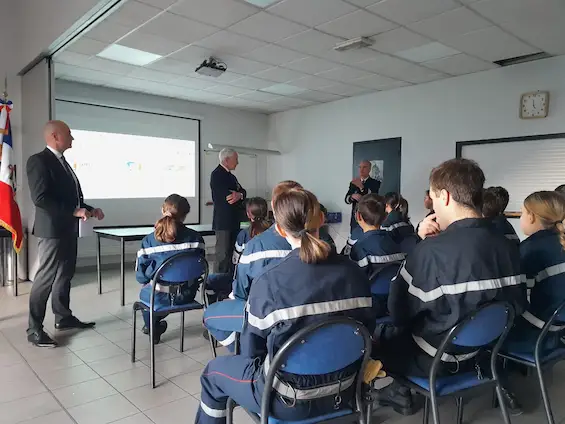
(241, 378)
(224, 320)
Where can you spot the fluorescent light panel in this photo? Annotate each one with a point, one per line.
(284, 89)
(427, 52)
(128, 55)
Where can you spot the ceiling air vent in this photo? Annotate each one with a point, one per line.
(523, 59)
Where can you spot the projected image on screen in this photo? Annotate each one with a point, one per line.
(114, 166)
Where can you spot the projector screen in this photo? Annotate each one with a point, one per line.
(128, 161)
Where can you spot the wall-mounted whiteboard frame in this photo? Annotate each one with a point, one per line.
(461, 146)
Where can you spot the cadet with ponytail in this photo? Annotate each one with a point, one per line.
(307, 286)
(155, 249)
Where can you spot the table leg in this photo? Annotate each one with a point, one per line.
(99, 263)
(15, 271)
(3, 275)
(122, 273)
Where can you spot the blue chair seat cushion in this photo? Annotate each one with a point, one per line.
(173, 308)
(332, 415)
(529, 356)
(450, 384)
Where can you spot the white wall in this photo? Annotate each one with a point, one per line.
(317, 141)
(218, 125)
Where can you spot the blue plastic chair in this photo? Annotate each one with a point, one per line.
(542, 358)
(176, 270)
(300, 355)
(489, 324)
(380, 286)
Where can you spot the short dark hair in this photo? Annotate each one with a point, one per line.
(560, 189)
(463, 179)
(495, 201)
(371, 207)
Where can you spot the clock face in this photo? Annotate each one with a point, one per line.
(534, 105)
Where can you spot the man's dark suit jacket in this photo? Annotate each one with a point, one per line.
(54, 195)
(369, 186)
(226, 217)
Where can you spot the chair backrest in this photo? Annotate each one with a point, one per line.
(181, 268)
(380, 282)
(482, 327)
(321, 348)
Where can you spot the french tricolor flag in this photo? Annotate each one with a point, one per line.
(10, 217)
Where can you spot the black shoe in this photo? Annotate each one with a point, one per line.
(206, 335)
(161, 328)
(398, 397)
(41, 339)
(73, 322)
(514, 407)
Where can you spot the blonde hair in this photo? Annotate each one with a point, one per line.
(175, 209)
(549, 208)
(297, 212)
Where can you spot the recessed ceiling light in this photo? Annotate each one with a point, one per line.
(261, 3)
(427, 52)
(128, 55)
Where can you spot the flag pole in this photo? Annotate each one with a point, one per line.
(5, 93)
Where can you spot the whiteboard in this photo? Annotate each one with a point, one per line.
(521, 167)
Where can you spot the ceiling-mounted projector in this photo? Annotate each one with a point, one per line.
(211, 68)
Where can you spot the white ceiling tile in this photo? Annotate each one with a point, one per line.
(62, 69)
(152, 75)
(311, 65)
(178, 28)
(228, 90)
(398, 69)
(151, 43)
(459, 64)
(132, 14)
(109, 66)
(407, 11)
(449, 24)
(397, 40)
(311, 12)
(241, 65)
(71, 58)
(491, 44)
(208, 97)
(87, 46)
(283, 89)
(161, 4)
(226, 78)
(289, 102)
(345, 89)
(310, 41)
(381, 62)
(279, 74)
(221, 13)
(192, 54)
(423, 78)
(190, 82)
(229, 42)
(266, 27)
(89, 75)
(274, 55)
(363, 3)
(344, 74)
(318, 96)
(375, 81)
(357, 24)
(427, 52)
(172, 66)
(251, 83)
(313, 82)
(348, 57)
(260, 96)
(108, 32)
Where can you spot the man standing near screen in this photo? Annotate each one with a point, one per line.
(59, 205)
(359, 187)
(228, 196)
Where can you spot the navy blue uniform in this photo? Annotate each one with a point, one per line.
(446, 278)
(225, 319)
(288, 296)
(356, 233)
(374, 252)
(401, 231)
(501, 224)
(325, 236)
(226, 217)
(370, 185)
(543, 264)
(152, 255)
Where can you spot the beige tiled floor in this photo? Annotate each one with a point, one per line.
(90, 379)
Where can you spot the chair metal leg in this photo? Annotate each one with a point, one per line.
(435, 410)
(133, 335)
(502, 404)
(152, 348)
(426, 415)
(544, 394)
(182, 332)
(229, 411)
(459, 402)
(212, 344)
